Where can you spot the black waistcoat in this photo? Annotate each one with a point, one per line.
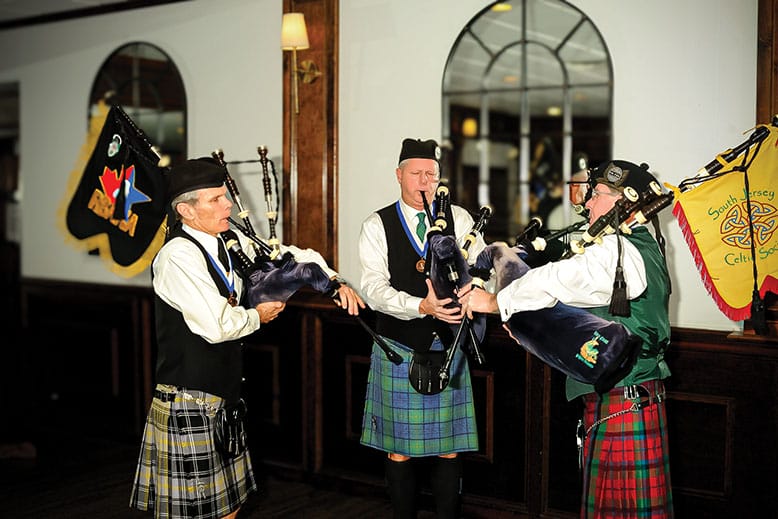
(187, 360)
(417, 334)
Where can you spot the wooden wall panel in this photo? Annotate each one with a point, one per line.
(701, 460)
(306, 375)
(83, 343)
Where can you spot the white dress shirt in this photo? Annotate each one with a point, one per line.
(181, 279)
(375, 285)
(584, 280)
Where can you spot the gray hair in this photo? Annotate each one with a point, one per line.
(190, 197)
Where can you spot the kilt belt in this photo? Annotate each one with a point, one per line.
(168, 393)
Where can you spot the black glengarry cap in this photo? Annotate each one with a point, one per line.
(620, 174)
(194, 174)
(419, 149)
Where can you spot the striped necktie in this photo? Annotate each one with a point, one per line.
(421, 227)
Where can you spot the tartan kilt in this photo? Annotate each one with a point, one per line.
(180, 473)
(399, 420)
(626, 460)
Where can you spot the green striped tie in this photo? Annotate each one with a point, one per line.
(421, 227)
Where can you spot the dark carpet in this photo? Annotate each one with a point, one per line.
(58, 477)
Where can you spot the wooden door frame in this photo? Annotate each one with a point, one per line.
(310, 154)
(766, 59)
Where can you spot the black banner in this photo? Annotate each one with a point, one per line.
(118, 206)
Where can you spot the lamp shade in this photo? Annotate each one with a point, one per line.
(294, 35)
(469, 127)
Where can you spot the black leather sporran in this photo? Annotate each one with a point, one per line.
(424, 372)
(230, 431)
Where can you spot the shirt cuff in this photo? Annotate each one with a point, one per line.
(413, 306)
(503, 305)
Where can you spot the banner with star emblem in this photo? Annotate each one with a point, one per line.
(736, 255)
(117, 206)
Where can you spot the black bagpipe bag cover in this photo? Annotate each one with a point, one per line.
(583, 346)
(445, 254)
(279, 279)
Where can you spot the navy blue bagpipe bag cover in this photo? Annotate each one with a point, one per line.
(581, 345)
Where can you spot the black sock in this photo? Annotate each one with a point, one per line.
(401, 482)
(446, 479)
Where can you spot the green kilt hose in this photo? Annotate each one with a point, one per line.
(399, 420)
(191, 478)
(626, 462)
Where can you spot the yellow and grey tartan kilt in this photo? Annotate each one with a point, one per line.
(180, 472)
(399, 420)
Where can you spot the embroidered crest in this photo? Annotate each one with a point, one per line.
(590, 350)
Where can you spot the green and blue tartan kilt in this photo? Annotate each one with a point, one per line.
(180, 472)
(399, 420)
(627, 462)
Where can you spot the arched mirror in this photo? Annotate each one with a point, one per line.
(527, 101)
(148, 86)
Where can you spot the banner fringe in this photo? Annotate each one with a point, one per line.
(733, 313)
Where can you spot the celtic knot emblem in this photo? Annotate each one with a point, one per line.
(734, 228)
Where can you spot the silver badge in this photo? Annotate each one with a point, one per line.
(614, 175)
(113, 147)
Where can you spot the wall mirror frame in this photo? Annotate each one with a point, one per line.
(527, 101)
(146, 82)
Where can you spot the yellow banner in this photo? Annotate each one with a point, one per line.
(713, 216)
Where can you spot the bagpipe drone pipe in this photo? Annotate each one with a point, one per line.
(447, 268)
(632, 209)
(271, 275)
(583, 346)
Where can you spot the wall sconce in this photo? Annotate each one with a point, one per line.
(294, 36)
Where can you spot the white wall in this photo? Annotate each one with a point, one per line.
(229, 55)
(685, 75)
(684, 90)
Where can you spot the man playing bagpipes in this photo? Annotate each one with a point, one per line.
(194, 460)
(397, 419)
(617, 272)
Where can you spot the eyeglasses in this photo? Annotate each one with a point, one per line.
(596, 193)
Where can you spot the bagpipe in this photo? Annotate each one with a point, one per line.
(272, 275)
(583, 346)
(447, 268)
(632, 209)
